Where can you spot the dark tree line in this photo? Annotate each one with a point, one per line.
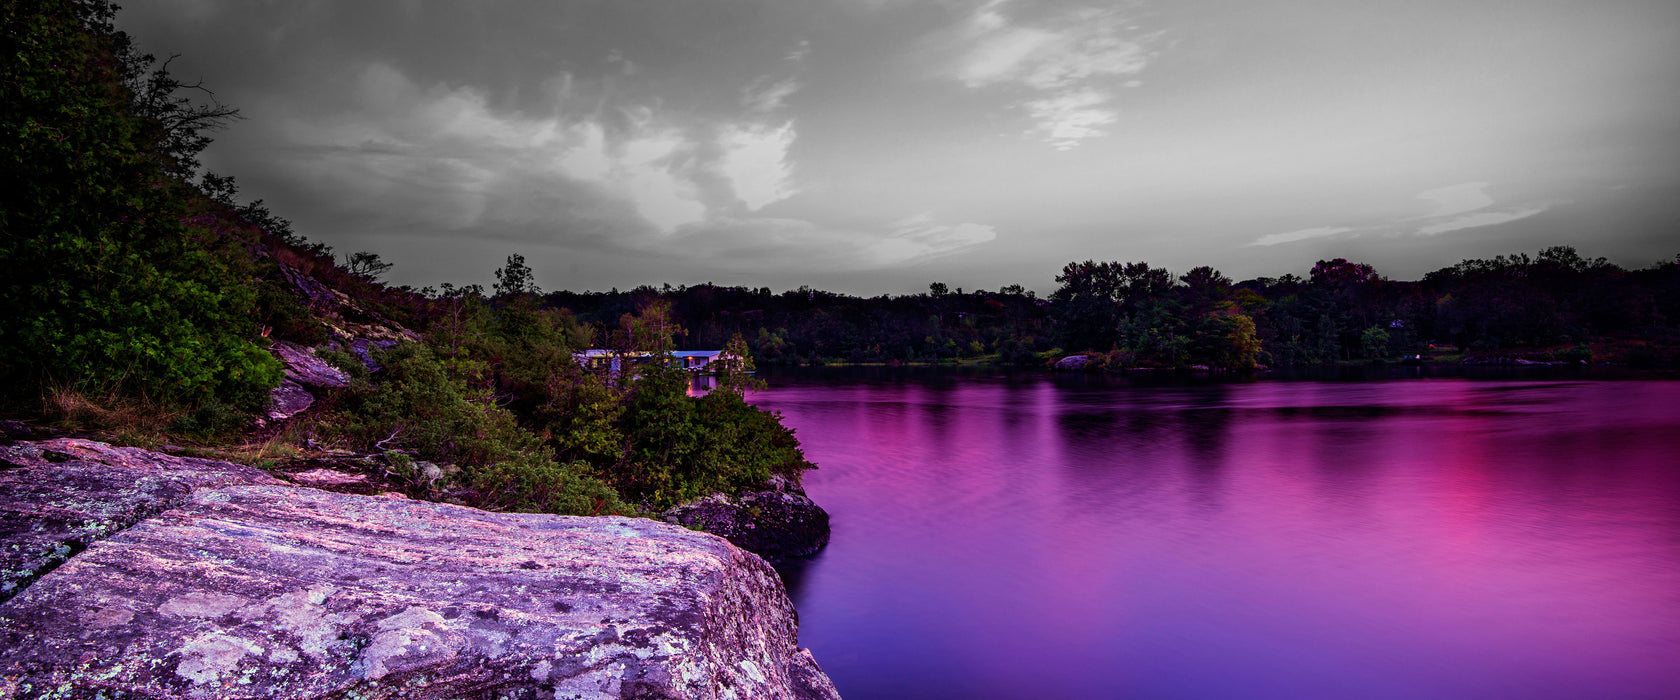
(1553, 303)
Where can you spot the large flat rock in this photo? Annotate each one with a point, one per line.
(284, 592)
(59, 496)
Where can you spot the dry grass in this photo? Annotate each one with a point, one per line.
(264, 453)
(133, 421)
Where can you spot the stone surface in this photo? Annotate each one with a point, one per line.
(287, 400)
(328, 477)
(285, 592)
(342, 315)
(59, 496)
(303, 370)
(774, 523)
(303, 367)
(364, 348)
(1072, 363)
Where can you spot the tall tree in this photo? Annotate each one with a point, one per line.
(515, 278)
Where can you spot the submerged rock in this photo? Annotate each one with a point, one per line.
(276, 591)
(774, 523)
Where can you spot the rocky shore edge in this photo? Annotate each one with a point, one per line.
(131, 573)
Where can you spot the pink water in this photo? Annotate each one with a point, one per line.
(1426, 538)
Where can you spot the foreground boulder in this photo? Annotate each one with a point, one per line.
(274, 591)
(59, 496)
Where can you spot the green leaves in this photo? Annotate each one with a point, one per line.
(124, 291)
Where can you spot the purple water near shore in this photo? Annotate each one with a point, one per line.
(1036, 537)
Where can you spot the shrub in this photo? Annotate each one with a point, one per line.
(109, 282)
(682, 447)
(441, 409)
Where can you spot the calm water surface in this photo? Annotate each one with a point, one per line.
(1038, 537)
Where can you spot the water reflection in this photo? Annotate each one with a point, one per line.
(1015, 537)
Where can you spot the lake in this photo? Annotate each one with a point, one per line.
(1038, 536)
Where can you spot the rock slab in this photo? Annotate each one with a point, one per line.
(59, 496)
(269, 591)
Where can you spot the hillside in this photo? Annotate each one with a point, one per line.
(149, 306)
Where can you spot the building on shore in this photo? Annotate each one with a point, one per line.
(616, 361)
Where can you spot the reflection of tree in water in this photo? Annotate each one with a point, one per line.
(1111, 453)
(1206, 435)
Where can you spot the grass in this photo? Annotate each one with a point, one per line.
(128, 421)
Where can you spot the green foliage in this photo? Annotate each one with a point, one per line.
(583, 420)
(120, 281)
(344, 360)
(1373, 342)
(1580, 353)
(682, 447)
(536, 484)
(442, 409)
(278, 310)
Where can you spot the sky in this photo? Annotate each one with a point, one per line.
(874, 146)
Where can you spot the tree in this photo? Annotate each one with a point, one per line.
(516, 278)
(366, 265)
(735, 368)
(938, 289)
(1373, 342)
(175, 127)
(652, 329)
(120, 279)
(1205, 287)
(1086, 305)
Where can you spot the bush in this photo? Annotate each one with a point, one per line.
(682, 447)
(109, 279)
(441, 409)
(1581, 353)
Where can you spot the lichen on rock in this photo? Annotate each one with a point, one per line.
(59, 496)
(278, 591)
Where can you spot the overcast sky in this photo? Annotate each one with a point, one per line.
(874, 146)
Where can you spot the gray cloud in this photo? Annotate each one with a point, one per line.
(871, 143)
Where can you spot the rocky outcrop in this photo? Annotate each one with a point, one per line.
(775, 523)
(303, 370)
(59, 496)
(303, 367)
(353, 327)
(1073, 363)
(344, 316)
(287, 400)
(262, 590)
(364, 348)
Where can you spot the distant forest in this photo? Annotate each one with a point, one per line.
(1555, 305)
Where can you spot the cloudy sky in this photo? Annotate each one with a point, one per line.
(873, 146)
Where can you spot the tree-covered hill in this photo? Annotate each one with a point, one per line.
(1552, 305)
(142, 299)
